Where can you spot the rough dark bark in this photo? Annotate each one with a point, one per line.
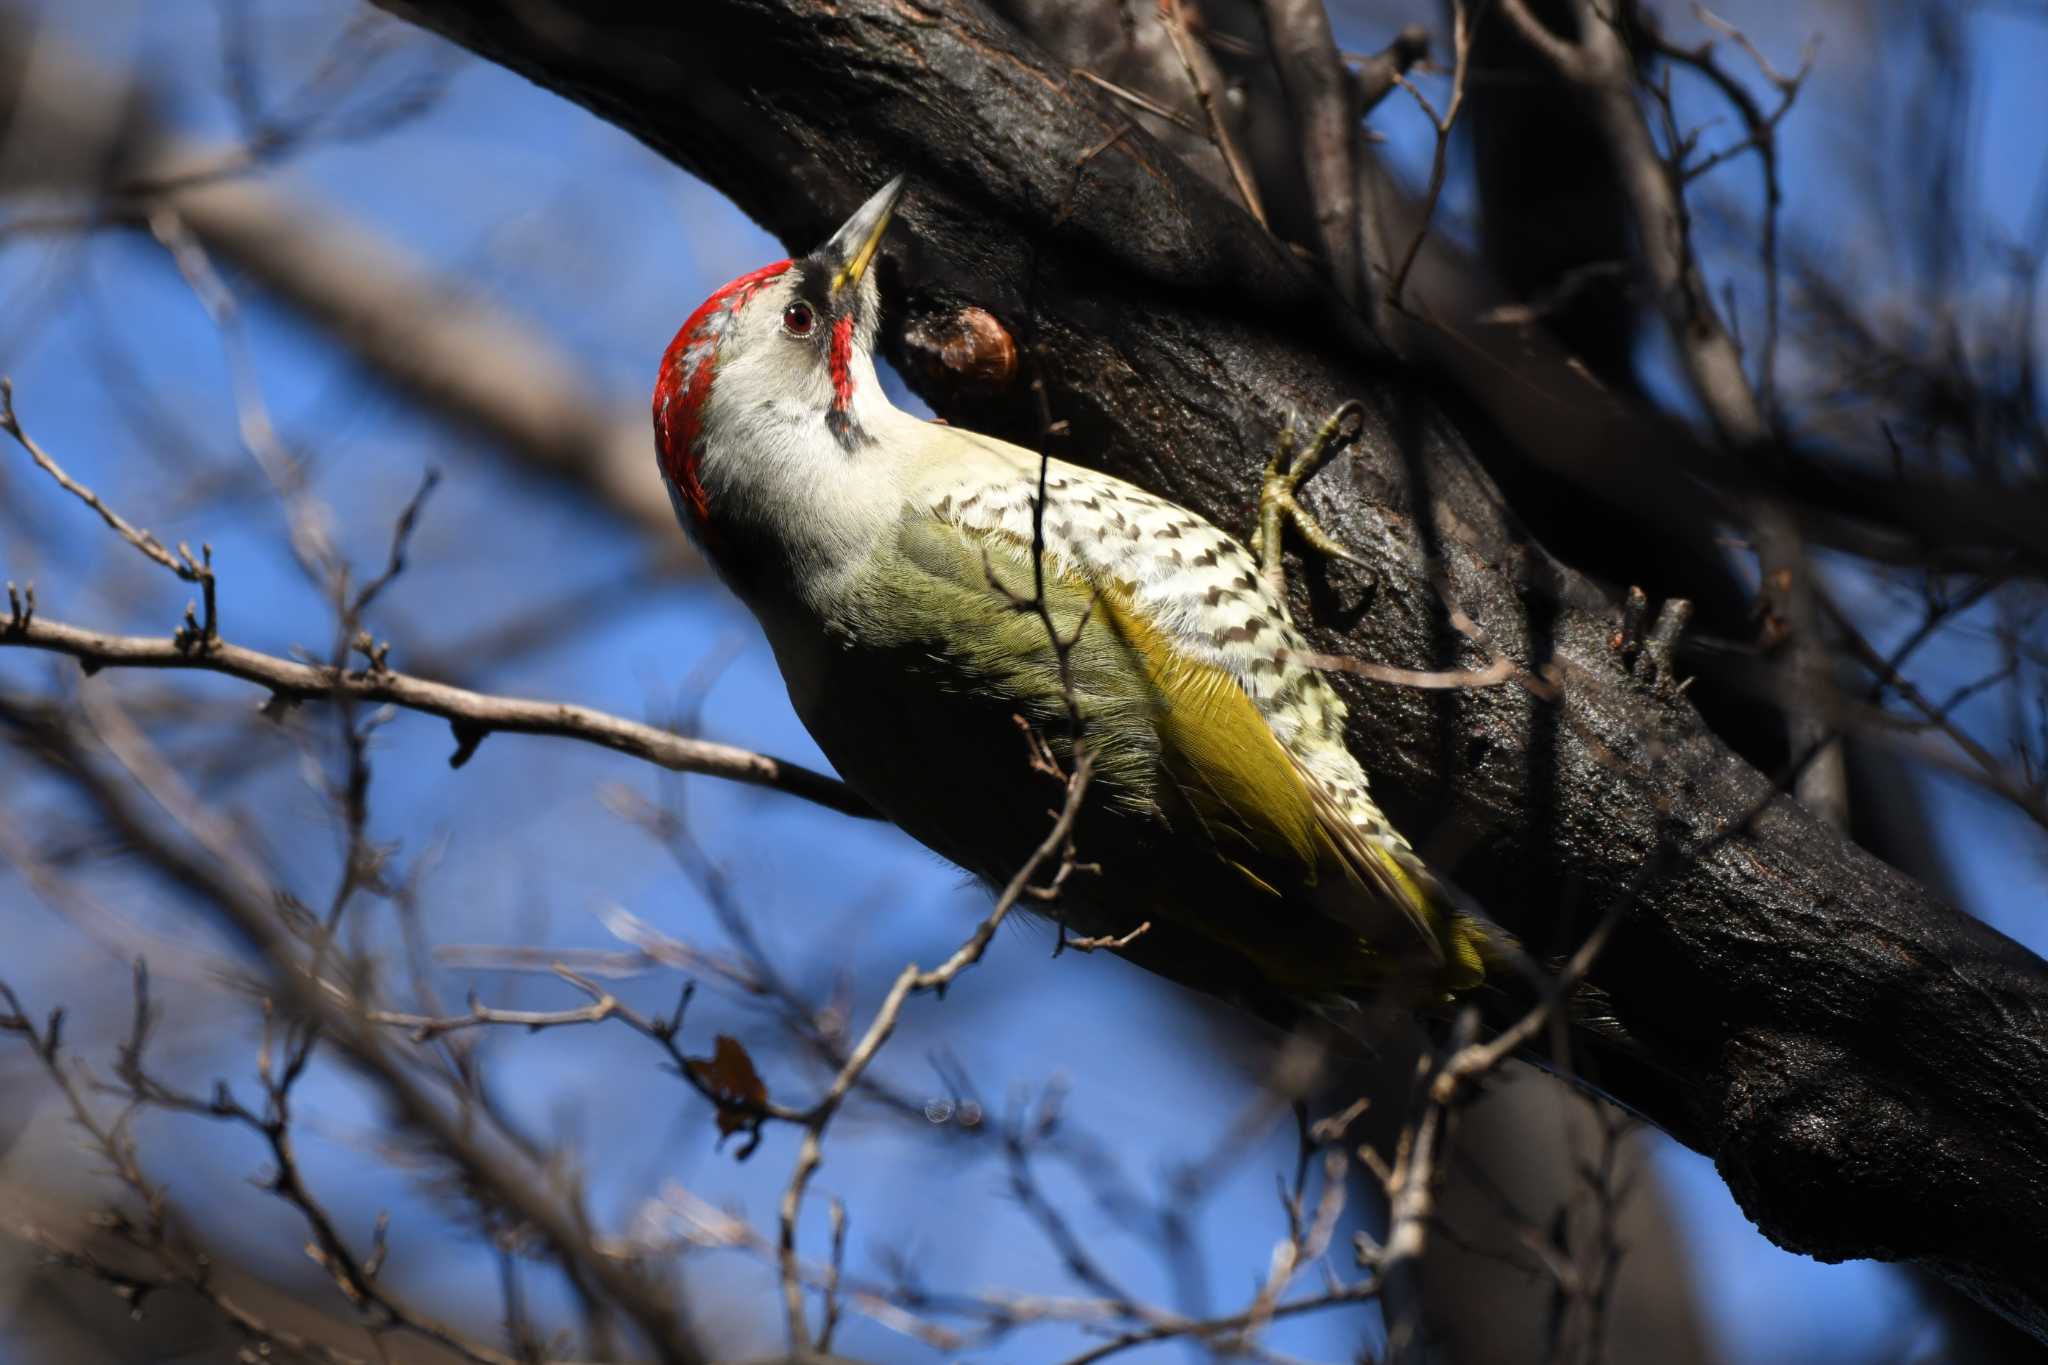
(1867, 1065)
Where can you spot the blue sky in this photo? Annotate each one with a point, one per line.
(605, 248)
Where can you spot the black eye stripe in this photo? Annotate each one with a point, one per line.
(814, 287)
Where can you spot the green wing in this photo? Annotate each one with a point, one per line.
(1173, 734)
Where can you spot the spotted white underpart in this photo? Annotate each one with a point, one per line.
(1197, 584)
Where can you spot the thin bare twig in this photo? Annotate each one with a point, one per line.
(182, 564)
(912, 980)
(401, 541)
(1502, 669)
(152, 1232)
(311, 534)
(473, 715)
(1175, 23)
(1144, 102)
(1652, 183)
(509, 1178)
(1461, 60)
(1761, 137)
(2028, 793)
(1375, 72)
(1114, 943)
(280, 1064)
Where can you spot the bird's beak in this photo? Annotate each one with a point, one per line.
(853, 246)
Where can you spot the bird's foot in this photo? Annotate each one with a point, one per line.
(1279, 505)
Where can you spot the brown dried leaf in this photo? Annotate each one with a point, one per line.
(728, 1073)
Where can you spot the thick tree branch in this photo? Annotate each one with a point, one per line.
(1866, 1064)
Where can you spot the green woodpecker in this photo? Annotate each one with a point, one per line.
(886, 558)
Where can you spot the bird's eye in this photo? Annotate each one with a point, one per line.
(797, 319)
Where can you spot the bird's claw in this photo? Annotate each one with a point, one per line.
(1285, 474)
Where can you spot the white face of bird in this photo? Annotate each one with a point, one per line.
(766, 409)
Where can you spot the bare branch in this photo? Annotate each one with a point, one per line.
(1376, 71)
(1502, 669)
(153, 1233)
(1145, 102)
(401, 538)
(250, 909)
(1114, 943)
(2029, 793)
(182, 564)
(473, 715)
(1326, 123)
(913, 980)
(1601, 62)
(1175, 21)
(1462, 20)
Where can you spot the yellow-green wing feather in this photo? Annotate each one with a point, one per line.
(1234, 768)
(1267, 816)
